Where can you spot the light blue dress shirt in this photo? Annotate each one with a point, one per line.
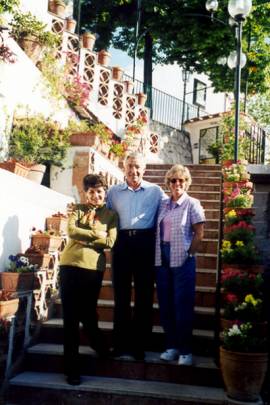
(137, 209)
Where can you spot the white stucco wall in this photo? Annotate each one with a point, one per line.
(24, 205)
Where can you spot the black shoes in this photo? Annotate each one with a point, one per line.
(73, 379)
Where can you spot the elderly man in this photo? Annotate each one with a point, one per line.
(136, 202)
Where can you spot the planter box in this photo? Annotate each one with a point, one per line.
(84, 139)
(18, 281)
(8, 308)
(16, 168)
(58, 224)
(46, 243)
(43, 260)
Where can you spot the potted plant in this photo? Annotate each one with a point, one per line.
(70, 24)
(46, 241)
(38, 140)
(103, 57)
(117, 73)
(20, 275)
(88, 40)
(141, 97)
(8, 6)
(57, 222)
(8, 304)
(31, 35)
(243, 362)
(38, 257)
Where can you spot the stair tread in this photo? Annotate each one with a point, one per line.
(150, 357)
(105, 325)
(122, 386)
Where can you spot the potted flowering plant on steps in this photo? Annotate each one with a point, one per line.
(243, 353)
(20, 275)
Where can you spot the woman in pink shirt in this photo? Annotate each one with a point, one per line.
(180, 227)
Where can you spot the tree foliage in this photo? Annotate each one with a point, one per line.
(183, 32)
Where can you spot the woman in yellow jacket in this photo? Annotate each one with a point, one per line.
(91, 228)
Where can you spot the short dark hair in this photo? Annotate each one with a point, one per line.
(93, 181)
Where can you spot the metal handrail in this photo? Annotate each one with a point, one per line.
(166, 109)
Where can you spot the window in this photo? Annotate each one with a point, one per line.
(199, 93)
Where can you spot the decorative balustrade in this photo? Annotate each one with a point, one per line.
(109, 100)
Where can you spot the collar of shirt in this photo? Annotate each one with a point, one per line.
(125, 186)
(179, 202)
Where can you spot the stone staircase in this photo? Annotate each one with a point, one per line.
(132, 382)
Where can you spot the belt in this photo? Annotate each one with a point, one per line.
(136, 232)
(165, 243)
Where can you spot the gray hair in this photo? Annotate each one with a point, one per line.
(137, 156)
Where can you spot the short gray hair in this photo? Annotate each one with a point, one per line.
(137, 156)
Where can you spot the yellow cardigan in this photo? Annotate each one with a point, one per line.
(84, 224)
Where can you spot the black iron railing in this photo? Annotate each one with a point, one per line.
(256, 150)
(165, 108)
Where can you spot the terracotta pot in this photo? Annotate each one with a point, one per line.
(243, 373)
(18, 281)
(70, 24)
(43, 260)
(103, 57)
(129, 86)
(141, 98)
(60, 8)
(31, 47)
(46, 243)
(15, 167)
(51, 6)
(36, 173)
(117, 73)
(8, 308)
(84, 139)
(58, 224)
(88, 40)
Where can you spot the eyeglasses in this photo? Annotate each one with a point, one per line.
(173, 181)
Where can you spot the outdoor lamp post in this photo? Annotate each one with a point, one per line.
(238, 10)
(185, 78)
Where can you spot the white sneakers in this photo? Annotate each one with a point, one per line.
(185, 360)
(169, 355)
(173, 354)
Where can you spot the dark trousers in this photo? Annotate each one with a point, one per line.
(133, 260)
(79, 294)
(176, 296)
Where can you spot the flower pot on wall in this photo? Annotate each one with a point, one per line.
(9, 307)
(18, 281)
(117, 73)
(104, 57)
(46, 243)
(31, 46)
(88, 40)
(58, 224)
(70, 24)
(36, 173)
(60, 8)
(243, 373)
(84, 139)
(129, 86)
(15, 167)
(142, 97)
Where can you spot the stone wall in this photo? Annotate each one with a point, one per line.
(260, 175)
(173, 145)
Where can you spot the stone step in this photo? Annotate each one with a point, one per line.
(199, 178)
(205, 295)
(196, 173)
(211, 233)
(48, 357)
(204, 317)
(29, 387)
(192, 168)
(202, 339)
(204, 277)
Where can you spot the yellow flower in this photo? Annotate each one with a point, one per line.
(239, 243)
(249, 299)
(231, 214)
(226, 244)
